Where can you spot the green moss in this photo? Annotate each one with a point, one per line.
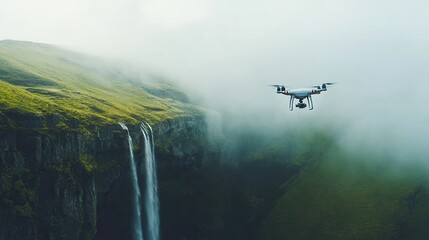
(23, 210)
(88, 162)
(18, 192)
(43, 79)
(62, 125)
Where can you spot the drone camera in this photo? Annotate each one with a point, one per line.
(301, 105)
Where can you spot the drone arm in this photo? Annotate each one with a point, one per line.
(292, 98)
(310, 102)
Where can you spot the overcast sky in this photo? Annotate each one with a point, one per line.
(230, 50)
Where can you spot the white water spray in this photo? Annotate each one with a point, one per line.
(137, 224)
(151, 200)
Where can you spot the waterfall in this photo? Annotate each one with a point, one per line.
(137, 224)
(151, 197)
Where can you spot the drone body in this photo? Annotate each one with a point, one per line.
(301, 94)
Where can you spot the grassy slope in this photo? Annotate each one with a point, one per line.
(44, 79)
(350, 197)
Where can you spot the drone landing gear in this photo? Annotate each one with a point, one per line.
(291, 102)
(310, 102)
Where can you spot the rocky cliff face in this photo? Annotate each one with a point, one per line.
(65, 184)
(182, 142)
(46, 190)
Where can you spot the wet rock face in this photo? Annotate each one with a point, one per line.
(181, 142)
(60, 184)
(46, 191)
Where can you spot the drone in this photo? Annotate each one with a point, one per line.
(301, 94)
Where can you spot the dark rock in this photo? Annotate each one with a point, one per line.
(34, 120)
(47, 192)
(73, 123)
(53, 120)
(4, 122)
(181, 141)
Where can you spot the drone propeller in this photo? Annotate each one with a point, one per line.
(323, 85)
(280, 88)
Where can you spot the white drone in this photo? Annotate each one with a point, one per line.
(301, 94)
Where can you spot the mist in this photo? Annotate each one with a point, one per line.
(227, 53)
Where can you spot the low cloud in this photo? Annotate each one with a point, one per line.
(228, 52)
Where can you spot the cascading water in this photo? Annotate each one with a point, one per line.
(151, 197)
(137, 224)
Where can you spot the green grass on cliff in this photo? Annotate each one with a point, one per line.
(44, 79)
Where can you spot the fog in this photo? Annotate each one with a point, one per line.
(226, 53)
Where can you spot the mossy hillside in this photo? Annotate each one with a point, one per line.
(303, 185)
(350, 197)
(44, 79)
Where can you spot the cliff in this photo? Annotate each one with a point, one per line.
(53, 182)
(63, 158)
